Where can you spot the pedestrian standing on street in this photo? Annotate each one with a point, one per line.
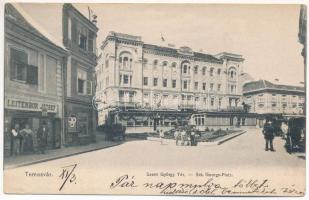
(15, 140)
(183, 136)
(284, 129)
(28, 139)
(161, 136)
(192, 137)
(42, 137)
(269, 134)
(176, 135)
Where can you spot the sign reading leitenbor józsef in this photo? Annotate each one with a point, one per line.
(29, 105)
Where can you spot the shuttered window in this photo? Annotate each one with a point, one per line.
(20, 70)
(32, 74)
(18, 67)
(89, 87)
(90, 41)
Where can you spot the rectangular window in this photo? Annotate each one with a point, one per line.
(195, 70)
(164, 82)
(204, 71)
(212, 102)
(219, 87)
(196, 85)
(80, 86)
(185, 84)
(211, 72)
(32, 75)
(20, 70)
(174, 83)
(125, 79)
(84, 86)
(211, 86)
(204, 86)
(145, 80)
(91, 40)
(89, 87)
(220, 102)
(82, 41)
(155, 81)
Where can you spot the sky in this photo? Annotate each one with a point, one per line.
(266, 35)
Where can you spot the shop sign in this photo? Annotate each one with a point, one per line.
(30, 105)
(72, 124)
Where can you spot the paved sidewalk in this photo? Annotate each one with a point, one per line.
(23, 160)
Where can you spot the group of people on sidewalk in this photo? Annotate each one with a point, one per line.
(184, 136)
(22, 139)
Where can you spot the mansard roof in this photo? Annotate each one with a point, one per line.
(263, 85)
(184, 52)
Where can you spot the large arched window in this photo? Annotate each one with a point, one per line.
(185, 67)
(125, 60)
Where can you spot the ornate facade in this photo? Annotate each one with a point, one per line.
(133, 74)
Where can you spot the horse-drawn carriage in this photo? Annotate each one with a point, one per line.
(296, 134)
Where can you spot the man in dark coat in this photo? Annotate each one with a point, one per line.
(269, 134)
(42, 137)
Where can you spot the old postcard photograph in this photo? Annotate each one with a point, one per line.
(181, 99)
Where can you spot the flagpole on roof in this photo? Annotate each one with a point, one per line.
(162, 38)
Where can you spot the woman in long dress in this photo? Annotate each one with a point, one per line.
(28, 139)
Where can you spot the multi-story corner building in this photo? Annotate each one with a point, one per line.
(33, 79)
(79, 37)
(264, 97)
(133, 74)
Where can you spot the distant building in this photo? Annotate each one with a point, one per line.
(33, 80)
(132, 74)
(264, 97)
(79, 37)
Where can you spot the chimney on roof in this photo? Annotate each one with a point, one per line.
(276, 80)
(171, 45)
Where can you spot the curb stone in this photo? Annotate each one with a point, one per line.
(12, 166)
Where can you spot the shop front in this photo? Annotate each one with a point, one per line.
(34, 114)
(79, 124)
